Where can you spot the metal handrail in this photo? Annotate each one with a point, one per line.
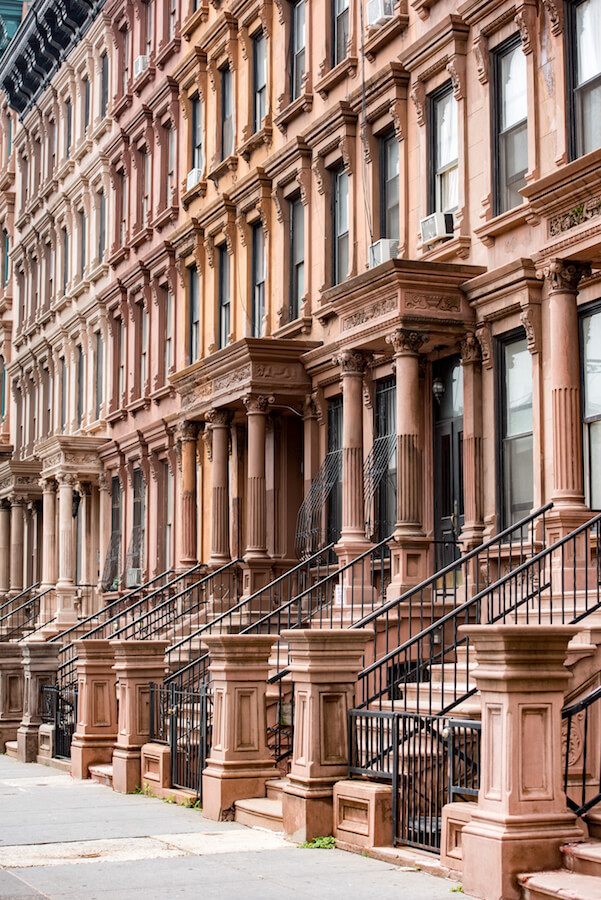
(584, 784)
(18, 596)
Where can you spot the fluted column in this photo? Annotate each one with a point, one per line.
(409, 454)
(256, 524)
(352, 366)
(188, 436)
(562, 280)
(4, 547)
(220, 526)
(471, 361)
(16, 544)
(48, 532)
(65, 533)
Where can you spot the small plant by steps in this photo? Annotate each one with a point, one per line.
(327, 842)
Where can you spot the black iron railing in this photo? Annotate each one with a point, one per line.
(59, 708)
(25, 619)
(190, 725)
(280, 734)
(17, 600)
(110, 571)
(313, 526)
(582, 749)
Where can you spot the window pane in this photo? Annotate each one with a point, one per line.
(448, 190)
(516, 152)
(588, 43)
(391, 188)
(594, 455)
(299, 27)
(514, 103)
(341, 203)
(518, 478)
(446, 131)
(298, 231)
(590, 117)
(591, 330)
(518, 388)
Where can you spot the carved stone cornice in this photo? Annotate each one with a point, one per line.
(351, 362)
(563, 276)
(406, 342)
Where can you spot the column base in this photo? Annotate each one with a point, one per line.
(222, 785)
(308, 812)
(27, 743)
(66, 614)
(86, 753)
(257, 573)
(565, 517)
(512, 846)
(408, 564)
(127, 770)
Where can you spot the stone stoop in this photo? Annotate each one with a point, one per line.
(102, 774)
(11, 749)
(263, 812)
(580, 879)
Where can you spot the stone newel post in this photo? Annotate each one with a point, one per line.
(96, 729)
(137, 663)
(324, 665)
(521, 819)
(239, 762)
(220, 527)
(11, 691)
(40, 662)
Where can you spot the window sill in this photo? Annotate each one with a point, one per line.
(302, 104)
(345, 69)
(145, 78)
(423, 7)
(192, 22)
(118, 254)
(161, 393)
(519, 215)
(256, 139)
(100, 269)
(116, 414)
(80, 287)
(22, 219)
(229, 164)
(7, 179)
(45, 315)
(35, 202)
(457, 246)
(100, 127)
(138, 404)
(167, 50)
(377, 38)
(299, 326)
(64, 169)
(121, 105)
(164, 217)
(144, 234)
(80, 150)
(197, 190)
(49, 187)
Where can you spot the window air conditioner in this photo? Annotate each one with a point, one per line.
(437, 227)
(194, 176)
(381, 251)
(133, 578)
(379, 12)
(140, 65)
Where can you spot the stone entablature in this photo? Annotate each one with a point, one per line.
(20, 480)
(76, 455)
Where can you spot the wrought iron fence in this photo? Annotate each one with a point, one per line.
(582, 748)
(59, 708)
(280, 734)
(190, 726)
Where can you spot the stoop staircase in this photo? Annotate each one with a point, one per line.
(578, 879)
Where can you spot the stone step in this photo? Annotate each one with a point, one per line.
(102, 774)
(559, 885)
(259, 812)
(11, 749)
(276, 788)
(593, 821)
(584, 858)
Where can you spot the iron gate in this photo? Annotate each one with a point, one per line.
(183, 719)
(59, 708)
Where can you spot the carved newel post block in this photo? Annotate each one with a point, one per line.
(521, 818)
(96, 729)
(324, 665)
(137, 663)
(11, 691)
(239, 761)
(40, 662)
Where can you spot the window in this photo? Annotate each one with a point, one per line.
(125, 69)
(63, 369)
(194, 334)
(591, 404)
(169, 514)
(297, 256)
(99, 392)
(148, 25)
(115, 506)
(168, 345)
(5, 258)
(143, 350)
(51, 265)
(227, 114)
(124, 202)
(197, 149)
(122, 359)
(136, 549)
(384, 461)
(65, 260)
(86, 103)
(297, 49)
(170, 165)
(340, 226)
(585, 87)
(10, 135)
(172, 23)
(2, 390)
(258, 278)
(224, 296)
(516, 430)
(101, 225)
(334, 470)
(259, 79)
(146, 184)
(82, 243)
(52, 153)
(80, 386)
(68, 127)
(104, 84)
(389, 188)
(340, 29)
(444, 169)
(511, 111)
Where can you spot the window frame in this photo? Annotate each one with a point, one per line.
(389, 137)
(226, 77)
(574, 123)
(193, 315)
(295, 54)
(502, 50)
(259, 90)
(336, 18)
(587, 311)
(337, 276)
(196, 143)
(432, 138)
(258, 280)
(295, 297)
(224, 297)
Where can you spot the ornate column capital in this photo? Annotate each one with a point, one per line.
(65, 478)
(563, 276)
(351, 362)
(218, 418)
(256, 403)
(187, 431)
(16, 500)
(406, 342)
(470, 350)
(48, 485)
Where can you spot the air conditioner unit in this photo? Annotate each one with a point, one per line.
(379, 12)
(381, 251)
(140, 65)
(437, 227)
(194, 176)
(133, 578)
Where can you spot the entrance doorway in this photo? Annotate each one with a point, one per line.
(448, 459)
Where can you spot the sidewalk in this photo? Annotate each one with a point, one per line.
(61, 838)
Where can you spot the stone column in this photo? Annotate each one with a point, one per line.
(408, 553)
(324, 665)
(96, 729)
(188, 435)
(16, 544)
(471, 361)
(137, 663)
(65, 586)
(239, 763)
(521, 819)
(220, 521)
(49, 533)
(257, 566)
(4, 547)
(40, 662)
(104, 522)
(11, 691)
(564, 370)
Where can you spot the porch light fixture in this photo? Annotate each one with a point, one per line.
(438, 387)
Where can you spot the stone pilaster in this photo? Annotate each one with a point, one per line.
(188, 434)
(65, 587)
(4, 548)
(220, 525)
(17, 525)
(471, 361)
(11, 691)
(49, 533)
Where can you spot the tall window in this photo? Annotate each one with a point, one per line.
(297, 49)
(146, 183)
(585, 28)
(52, 148)
(170, 165)
(511, 113)
(297, 256)
(68, 127)
(224, 296)
(168, 345)
(136, 550)
(334, 469)
(258, 278)
(65, 260)
(259, 79)
(197, 149)
(148, 26)
(389, 187)
(101, 225)
(384, 461)
(99, 387)
(516, 429)
(169, 514)
(82, 243)
(104, 84)
(115, 506)
(172, 23)
(63, 369)
(86, 103)
(124, 206)
(340, 29)
(591, 403)
(2, 390)
(5, 258)
(444, 167)
(340, 226)
(80, 386)
(227, 114)
(194, 313)
(125, 69)
(143, 350)
(122, 360)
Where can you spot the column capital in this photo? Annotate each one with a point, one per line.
(470, 350)
(256, 403)
(563, 276)
(16, 500)
(351, 362)
(65, 478)
(48, 485)
(187, 431)
(218, 418)
(406, 342)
